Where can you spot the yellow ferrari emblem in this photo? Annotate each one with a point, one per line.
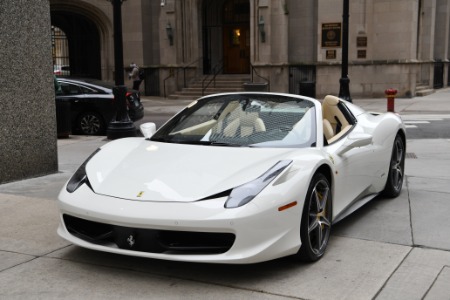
(140, 194)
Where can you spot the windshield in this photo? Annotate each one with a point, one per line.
(257, 120)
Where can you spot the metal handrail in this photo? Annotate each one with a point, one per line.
(217, 69)
(263, 78)
(172, 73)
(187, 66)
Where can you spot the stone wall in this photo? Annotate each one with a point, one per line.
(369, 80)
(27, 102)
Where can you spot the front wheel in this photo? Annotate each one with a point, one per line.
(394, 181)
(316, 220)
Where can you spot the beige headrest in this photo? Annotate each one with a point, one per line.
(331, 100)
(248, 119)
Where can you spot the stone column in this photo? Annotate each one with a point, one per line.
(272, 46)
(27, 97)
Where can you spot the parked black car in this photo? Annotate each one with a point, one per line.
(92, 104)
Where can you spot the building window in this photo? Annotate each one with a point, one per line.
(60, 52)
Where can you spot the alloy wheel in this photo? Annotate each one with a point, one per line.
(397, 163)
(91, 124)
(319, 224)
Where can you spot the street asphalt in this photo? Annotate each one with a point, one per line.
(389, 249)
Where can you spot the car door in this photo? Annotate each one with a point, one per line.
(73, 93)
(354, 169)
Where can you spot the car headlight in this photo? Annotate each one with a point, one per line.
(245, 193)
(80, 176)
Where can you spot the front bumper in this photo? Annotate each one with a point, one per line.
(248, 234)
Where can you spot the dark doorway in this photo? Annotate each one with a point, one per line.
(438, 81)
(236, 37)
(226, 36)
(236, 50)
(83, 41)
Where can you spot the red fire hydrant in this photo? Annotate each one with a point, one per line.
(390, 95)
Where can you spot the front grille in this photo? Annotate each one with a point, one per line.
(149, 240)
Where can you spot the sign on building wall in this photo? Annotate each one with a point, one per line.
(362, 54)
(331, 35)
(331, 54)
(361, 41)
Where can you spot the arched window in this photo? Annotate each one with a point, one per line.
(60, 52)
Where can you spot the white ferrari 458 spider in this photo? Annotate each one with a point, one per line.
(235, 178)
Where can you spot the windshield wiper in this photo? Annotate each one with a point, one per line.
(161, 139)
(214, 143)
(191, 142)
(210, 143)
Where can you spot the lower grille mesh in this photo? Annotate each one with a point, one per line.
(149, 240)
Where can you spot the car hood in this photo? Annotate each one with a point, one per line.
(143, 170)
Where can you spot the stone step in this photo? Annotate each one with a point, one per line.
(220, 84)
(423, 91)
(223, 83)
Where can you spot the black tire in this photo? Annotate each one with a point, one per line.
(90, 123)
(396, 173)
(315, 225)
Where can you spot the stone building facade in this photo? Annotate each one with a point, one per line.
(294, 45)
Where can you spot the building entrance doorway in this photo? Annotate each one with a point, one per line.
(236, 37)
(226, 36)
(236, 42)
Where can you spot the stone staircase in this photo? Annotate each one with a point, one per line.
(223, 83)
(423, 91)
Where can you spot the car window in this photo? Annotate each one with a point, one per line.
(70, 89)
(255, 120)
(107, 85)
(87, 90)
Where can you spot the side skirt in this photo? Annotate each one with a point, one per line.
(353, 206)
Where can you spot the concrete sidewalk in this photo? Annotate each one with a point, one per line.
(390, 249)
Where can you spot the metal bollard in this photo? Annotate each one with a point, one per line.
(390, 95)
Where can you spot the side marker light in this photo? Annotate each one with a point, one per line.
(289, 205)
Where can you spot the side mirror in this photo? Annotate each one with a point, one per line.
(148, 129)
(354, 141)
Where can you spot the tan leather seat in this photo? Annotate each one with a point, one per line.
(334, 118)
(327, 129)
(247, 124)
(332, 113)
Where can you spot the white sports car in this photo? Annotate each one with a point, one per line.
(235, 178)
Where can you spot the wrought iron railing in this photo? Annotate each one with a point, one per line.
(172, 73)
(218, 68)
(255, 72)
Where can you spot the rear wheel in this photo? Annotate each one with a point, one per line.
(90, 123)
(396, 169)
(316, 220)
